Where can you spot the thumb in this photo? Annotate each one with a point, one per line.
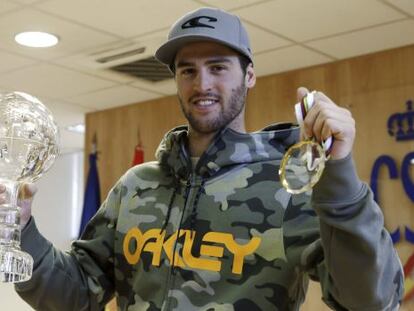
(301, 92)
(27, 191)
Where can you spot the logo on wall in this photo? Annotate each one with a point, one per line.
(401, 126)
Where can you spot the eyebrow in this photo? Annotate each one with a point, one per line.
(215, 60)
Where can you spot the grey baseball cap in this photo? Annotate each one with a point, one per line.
(205, 24)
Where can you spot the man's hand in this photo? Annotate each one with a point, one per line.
(26, 196)
(326, 119)
(25, 199)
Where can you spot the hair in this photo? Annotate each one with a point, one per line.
(243, 60)
(244, 63)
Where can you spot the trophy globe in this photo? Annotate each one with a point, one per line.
(28, 147)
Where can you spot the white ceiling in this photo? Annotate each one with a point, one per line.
(285, 35)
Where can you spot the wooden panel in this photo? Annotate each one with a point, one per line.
(373, 87)
(117, 131)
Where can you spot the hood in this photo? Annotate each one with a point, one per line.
(228, 148)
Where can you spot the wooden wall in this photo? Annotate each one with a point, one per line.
(373, 87)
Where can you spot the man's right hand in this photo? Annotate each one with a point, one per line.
(25, 199)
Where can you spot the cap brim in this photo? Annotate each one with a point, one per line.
(166, 53)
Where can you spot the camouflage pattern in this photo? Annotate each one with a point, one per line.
(222, 236)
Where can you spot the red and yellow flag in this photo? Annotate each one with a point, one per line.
(409, 278)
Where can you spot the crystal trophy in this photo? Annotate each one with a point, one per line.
(28, 147)
(303, 163)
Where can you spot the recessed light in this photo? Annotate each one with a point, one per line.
(36, 39)
(76, 128)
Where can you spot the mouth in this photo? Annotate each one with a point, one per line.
(205, 102)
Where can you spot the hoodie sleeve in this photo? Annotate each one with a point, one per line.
(81, 279)
(361, 269)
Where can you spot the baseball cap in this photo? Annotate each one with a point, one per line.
(209, 24)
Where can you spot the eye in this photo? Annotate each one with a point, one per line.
(218, 68)
(187, 72)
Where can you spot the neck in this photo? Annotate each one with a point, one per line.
(199, 142)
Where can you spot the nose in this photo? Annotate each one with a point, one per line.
(203, 81)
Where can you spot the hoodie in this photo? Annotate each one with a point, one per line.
(222, 235)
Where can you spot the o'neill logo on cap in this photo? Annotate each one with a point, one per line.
(196, 22)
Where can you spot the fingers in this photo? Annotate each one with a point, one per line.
(301, 92)
(323, 120)
(27, 191)
(25, 198)
(326, 119)
(2, 194)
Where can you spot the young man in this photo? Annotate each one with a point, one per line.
(208, 226)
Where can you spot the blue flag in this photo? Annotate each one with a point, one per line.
(92, 198)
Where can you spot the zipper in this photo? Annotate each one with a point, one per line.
(172, 270)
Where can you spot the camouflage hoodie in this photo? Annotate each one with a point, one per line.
(223, 235)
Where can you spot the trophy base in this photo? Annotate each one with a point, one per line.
(15, 265)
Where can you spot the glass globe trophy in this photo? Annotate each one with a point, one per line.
(28, 148)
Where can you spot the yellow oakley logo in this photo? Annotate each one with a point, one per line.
(153, 241)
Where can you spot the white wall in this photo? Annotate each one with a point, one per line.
(57, 209)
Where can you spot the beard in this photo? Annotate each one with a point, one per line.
(227, 114)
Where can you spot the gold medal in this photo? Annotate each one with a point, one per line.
(303, 163)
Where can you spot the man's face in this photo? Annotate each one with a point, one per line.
(211, 86)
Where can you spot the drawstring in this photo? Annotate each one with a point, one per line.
(167, 218)
(194, 211)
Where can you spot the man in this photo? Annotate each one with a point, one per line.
(208, 226)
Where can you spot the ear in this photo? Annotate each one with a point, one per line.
(250, 78)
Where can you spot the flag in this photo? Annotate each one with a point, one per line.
(139, 152)
(92, 198)
(409, 278)
(138, 155)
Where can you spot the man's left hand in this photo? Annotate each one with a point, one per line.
(326, 119)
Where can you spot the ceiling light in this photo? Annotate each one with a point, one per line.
(36, 39)
(76, 128)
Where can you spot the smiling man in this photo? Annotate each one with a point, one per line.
(208, 226)
(212, 88)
